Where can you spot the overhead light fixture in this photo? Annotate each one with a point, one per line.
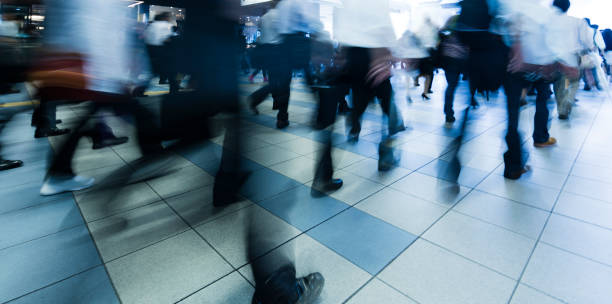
(136, 3)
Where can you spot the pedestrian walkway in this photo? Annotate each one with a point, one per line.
(395, 237)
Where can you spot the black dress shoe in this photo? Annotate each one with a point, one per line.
(450, 119)
(563, 116)
(320, 187)
(108, 142)
(281, 124)
(51, 132)
(514, 175)
(9, 164)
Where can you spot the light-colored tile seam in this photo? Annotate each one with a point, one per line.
(578, 255)
(555, 204)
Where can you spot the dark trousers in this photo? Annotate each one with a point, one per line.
(513, 158)
(540, 121)
(293, 54)
(358, 62)
(329, 98)
(452, 70)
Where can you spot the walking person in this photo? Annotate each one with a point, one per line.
(454, 60)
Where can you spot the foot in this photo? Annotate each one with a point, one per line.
(9, 164)
(563, 116)
(516, 174)
(310, 287)
(353, 137)
(450, 119)
(227, 186)
(386, 158)
(108, 142)
(281, 124)
(55, 184)
(425, 97)
(327, 186)
(51, 132)
(550, 142)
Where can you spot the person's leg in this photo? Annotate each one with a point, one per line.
(257, 97)
(561, 93)
(6, 115)
(572, 90)
(46, 120)
(452, 71)
(540, 120)
(513, 158)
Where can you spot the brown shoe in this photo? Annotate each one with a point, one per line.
(550, 142)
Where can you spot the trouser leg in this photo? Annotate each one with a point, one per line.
(540, 123)
(513, 158)
(452, 72)
(260, 95)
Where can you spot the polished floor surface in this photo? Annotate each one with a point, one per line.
(396, 237)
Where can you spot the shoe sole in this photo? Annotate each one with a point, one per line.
(44, 192)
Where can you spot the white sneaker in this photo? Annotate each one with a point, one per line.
(59, 184)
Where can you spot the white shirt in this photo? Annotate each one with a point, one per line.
(158, 32)
(270, 27)
(409, 47)
(299, 16)
(364, 23)
(567, 37)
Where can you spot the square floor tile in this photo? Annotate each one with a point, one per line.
(300, 169)
(271, 155)
(596, 172)
(92, 286)
(302, 146)
(27, 195)
(430, 274)
(494, 247)
(126, 232)
(430, 188)
(402, 210)
(580, 238)
(354, 189)
(539, 176)
(511, 215)
(366, 241)
(585, 209)
(524, 192)
(368, 168)
(362, 147)
(37, 221)
(378, 292)
(300, 209)
(527, 295)
(180, 181)
(229, 234)
(342, 278)
(341, 158)
(412, 161)
(589, 188)
(468, 177)
(112, 200)
(88, 160)
(33, 265)
(266, 183)
(167, 271)
(196, 207)
(231, 289)
(568, 277)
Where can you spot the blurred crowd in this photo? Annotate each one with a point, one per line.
(108, 62)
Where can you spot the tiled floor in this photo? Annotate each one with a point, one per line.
(405, 236)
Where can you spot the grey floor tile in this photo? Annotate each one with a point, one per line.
(167, 271)
(342, 278)
(368, 168)
(300, 169)
(597, 172)
(527, 295)
(341, 158)
(568, 277)
(542, 177)
(524, 192)
(231, 289)
(228, 234)
(589, 188)
(430, 188)
(88, 160)
(585, 209)
(430, 274)
(92, 286)
(494, 247)
(27, 195)
(196, 206)
(37, 221)
(379, 292)
(302, 146)
(355, 188)
(271, 155)
(34, 265)
(517, 217)
(402, 210)
(580, 238)
(181, 181)
(105, 202)
(135, 229)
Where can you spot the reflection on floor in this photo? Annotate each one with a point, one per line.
(396, 237)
